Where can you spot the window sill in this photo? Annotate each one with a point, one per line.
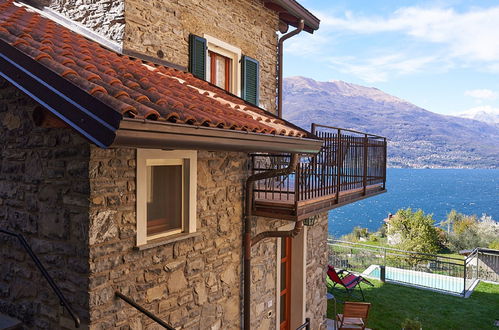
(166, 240)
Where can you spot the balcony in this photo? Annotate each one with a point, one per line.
(350, 166)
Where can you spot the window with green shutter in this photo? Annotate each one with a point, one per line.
(197, 56)
(250, 79)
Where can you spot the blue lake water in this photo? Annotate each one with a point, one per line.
(434, 191)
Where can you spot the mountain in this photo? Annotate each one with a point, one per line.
(417, 137)
(485, 113)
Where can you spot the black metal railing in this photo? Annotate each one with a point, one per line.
(144, 311)
(305, 325)
(46, 275)
(436, 272)
(348, 160)
(483, 264)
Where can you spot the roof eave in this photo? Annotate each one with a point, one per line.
(163, 135)
(293, 8)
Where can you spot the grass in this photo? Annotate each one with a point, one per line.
(391, 304)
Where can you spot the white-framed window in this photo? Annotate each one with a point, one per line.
(166, 193)
(223, 65)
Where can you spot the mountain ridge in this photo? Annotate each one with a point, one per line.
(417, 137)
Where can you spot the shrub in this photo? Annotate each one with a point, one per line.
(409, 324)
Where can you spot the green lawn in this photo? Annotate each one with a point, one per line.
(392, 304)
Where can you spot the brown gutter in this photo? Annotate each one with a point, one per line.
(249, 241)
(163, 135)
(280, 50)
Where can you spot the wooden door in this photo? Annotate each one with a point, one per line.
(285, 289)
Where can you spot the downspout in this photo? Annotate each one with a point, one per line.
(249, 241)
(280, 51)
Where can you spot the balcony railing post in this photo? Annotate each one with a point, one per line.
(338, 165)
(384, 165)
(464, 291)
(297, 183)
(364, 181)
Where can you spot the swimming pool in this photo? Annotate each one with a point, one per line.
(443, 283)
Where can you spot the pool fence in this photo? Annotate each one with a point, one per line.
(445, 274)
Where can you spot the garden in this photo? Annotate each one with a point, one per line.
(395, 306)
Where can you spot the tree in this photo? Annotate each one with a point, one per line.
(416, 230)
(469, 232)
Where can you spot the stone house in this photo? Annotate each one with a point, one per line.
(142, 158)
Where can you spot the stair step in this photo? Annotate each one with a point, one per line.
(9, 323)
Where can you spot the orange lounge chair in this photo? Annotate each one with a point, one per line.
(348, 281)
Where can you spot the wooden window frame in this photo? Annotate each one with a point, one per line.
(223, 48)
(213, 72)
(152, 157)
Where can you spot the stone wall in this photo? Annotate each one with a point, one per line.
(193, 283)
(263, 276)
(154, 26)
(43, 196)
(317, 259)
(104, 17)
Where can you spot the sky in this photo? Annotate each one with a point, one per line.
(441, 55)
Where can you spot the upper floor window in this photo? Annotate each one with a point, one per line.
(224, 65)
(166, 193)
(219, 70)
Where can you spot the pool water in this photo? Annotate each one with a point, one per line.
(421, 279)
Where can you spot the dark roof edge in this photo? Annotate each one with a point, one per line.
(86, 114)
(294, 8)
(164, 135)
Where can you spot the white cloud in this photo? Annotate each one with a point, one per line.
(432, 38)
(379, 69)
(470, 35)
(481, 94)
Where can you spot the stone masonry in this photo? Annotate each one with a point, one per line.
(75, 203)
(44, 191)
(154, 26)
(317, 259)
(104, 17)
(194, 283)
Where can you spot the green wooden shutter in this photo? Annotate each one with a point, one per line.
(197, 56)
(250, 80)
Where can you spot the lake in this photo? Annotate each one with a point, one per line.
(436, 191)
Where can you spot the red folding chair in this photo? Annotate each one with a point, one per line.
(347, 280)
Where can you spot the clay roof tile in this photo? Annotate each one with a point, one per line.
(134, 88)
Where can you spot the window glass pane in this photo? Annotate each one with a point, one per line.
(221, 71)
(164, 198)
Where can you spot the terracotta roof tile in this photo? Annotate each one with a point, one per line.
(130, 86)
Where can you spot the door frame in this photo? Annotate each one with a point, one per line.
(298, 277)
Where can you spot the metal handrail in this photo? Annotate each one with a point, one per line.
(305, 325)
(143, 310)
(349, 244)
(45, 274)
(346, 130)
